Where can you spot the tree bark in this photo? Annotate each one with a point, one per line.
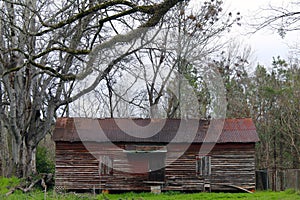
(41, 51)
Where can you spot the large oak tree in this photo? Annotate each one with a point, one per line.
(44, 48)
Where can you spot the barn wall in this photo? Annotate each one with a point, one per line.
(181, 173)
(75, 167)
(231, 164)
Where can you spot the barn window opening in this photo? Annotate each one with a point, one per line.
(105, 165)
(203, 165)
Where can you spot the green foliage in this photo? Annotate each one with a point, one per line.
(275, 107)
(8, 183)
(44, 163)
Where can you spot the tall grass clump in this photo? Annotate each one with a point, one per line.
(7, 183)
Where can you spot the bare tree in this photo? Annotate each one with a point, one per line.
(282, 19)
(234, 65)
(185, 38)
(43, 54)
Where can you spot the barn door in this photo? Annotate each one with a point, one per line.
(157, 167)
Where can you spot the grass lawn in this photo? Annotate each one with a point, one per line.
(286, 195)
(6, 184)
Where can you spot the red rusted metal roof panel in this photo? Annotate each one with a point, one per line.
(158, 131)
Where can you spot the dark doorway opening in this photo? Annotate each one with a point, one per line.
(157, 167)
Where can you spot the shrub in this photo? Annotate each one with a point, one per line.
(44, 163)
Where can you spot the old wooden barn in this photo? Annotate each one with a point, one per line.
(115, 155)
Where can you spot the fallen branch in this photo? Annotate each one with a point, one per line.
(23, 189)
(32, 184)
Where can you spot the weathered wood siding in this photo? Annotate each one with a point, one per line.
(181, 174)
(231, 164)
(75, 167)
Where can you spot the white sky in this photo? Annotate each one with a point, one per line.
(265, 44)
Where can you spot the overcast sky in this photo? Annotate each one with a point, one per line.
(265, 44)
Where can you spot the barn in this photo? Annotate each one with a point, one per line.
(166, 154)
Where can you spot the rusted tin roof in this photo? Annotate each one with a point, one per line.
(160, 131)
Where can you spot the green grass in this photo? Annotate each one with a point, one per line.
(7, 184)
(36, 195)
(212, 196)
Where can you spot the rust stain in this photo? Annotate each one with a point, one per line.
(240, 130)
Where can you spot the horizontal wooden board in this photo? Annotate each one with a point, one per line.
(77, 168)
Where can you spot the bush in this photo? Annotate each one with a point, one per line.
(44, 163)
